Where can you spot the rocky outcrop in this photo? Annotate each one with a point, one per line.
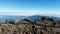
(26, 26)
(10, 21)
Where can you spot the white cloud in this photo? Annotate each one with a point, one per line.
(18, 13)
(29, 12)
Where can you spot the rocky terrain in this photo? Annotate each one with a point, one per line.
(27, 26)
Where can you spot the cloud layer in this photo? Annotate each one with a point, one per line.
(29, 12)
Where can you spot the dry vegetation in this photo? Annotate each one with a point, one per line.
(26, 26)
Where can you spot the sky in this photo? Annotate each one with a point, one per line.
(30, 7)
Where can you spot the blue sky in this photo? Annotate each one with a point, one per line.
(30, 7)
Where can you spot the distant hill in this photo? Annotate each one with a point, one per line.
(56, 19)
(5, 17)
(35, 17)
(38, 17)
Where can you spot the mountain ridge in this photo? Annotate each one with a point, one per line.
(33, 17)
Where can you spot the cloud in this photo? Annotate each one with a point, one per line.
(18, 13)
(50, 13)
(29, 12)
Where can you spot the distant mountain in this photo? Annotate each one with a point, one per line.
(56, 19)
(35, 17)
(5, 17)
(38, 17)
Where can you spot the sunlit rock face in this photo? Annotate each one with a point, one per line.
(27, 26)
